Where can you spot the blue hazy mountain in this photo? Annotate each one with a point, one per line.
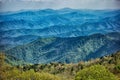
(22, 27)
(67, 50)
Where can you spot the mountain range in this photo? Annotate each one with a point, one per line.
(65, 35)
(67, 50)
(22, 27)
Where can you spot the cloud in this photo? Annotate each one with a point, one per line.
(13, 5)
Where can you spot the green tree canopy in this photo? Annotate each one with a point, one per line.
(96, 72)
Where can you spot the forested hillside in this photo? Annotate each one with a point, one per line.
(68, 50)
(104, 68)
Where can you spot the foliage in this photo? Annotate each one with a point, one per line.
(117, 68)
(3, 67)
(96, 72)
(11, 73)
(62, 71)
(30, 75)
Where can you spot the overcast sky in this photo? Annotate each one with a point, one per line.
(15, 5)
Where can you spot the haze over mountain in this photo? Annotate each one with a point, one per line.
(22, 27)
(16, 5)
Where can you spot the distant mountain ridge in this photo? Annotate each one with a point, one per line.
(67, 50)
(18, 28)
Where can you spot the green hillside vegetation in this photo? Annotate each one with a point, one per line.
(104, 68)
(96, 72)
(8, 72)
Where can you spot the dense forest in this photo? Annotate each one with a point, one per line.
(104, 68)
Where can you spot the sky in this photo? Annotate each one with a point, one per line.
(16, 5)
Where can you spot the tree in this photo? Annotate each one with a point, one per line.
(2, 67)
(2, 57)
(96, 72)
(15, 74)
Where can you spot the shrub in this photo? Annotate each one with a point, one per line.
(117, 68)
(96, 72)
